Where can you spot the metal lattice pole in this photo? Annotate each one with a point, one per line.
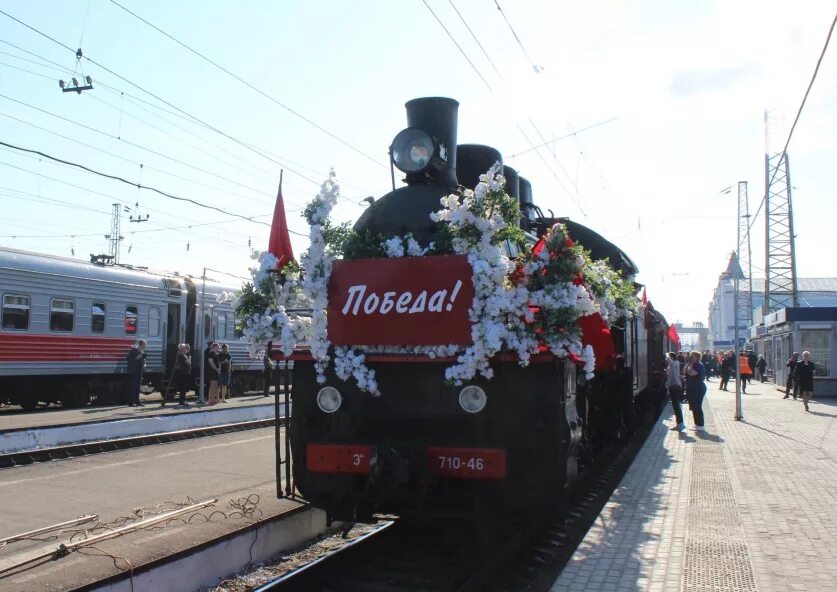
(780, 285)
(745, 297)
(114, 238)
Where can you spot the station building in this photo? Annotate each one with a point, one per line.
(811, 326)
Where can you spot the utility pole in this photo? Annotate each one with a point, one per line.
(780, 285)
(114, 238)
(202, 337)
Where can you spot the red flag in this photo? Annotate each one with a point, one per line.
(594, 332)
(673, 336)
(644, 298)
(280, 240)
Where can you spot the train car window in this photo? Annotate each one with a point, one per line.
(61, 314)
(15, 312)
(153, 321)
(207, 326)
(97, 317)
(131, 316)
(221, 327)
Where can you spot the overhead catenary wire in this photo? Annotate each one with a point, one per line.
(158, 98)
(459, 47)
(124, 159)
(252, 87)
(535, 67)
(784, 152)
(138, 185)
(134, 144)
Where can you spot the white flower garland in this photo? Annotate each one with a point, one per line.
(499, 314)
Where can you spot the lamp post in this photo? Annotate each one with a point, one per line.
(739, 412)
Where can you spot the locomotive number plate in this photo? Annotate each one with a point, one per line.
(467, 463)
(349, 459)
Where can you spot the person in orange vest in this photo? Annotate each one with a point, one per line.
(746, 371)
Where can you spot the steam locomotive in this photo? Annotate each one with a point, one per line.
(428, 448)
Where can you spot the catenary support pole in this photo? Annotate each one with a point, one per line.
(202, 337)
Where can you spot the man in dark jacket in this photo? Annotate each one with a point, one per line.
(752, 359)
(136, 366)
(791, 382)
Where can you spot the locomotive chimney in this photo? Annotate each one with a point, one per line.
(438, 117)
(526, 203)
(473, 160)
(512, 182)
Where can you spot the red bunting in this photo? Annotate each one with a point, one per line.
(674, 337)
(594, 332)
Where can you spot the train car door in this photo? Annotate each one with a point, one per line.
(173, 337)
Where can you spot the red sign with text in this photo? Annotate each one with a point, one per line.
(400, 301)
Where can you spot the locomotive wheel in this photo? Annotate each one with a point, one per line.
(76, 399)
(29, 404)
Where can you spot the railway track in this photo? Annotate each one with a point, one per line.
(15, 459)
(509, 558)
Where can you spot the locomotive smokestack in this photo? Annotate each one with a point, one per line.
(512, 182)
(473, 160)
(438, 117)
(527, 203)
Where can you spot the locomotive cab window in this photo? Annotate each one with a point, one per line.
(15, 312)
(221, 327)
(61, 314)
(97, 317)
(131, 318)
(153, 321)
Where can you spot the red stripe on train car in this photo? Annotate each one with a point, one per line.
(20, 347)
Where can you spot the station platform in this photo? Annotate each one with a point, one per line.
(15, 418)
(746, 506)
(127, 486)
(22, 431)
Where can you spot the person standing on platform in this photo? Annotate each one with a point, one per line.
(182, 372)
(696, 389)
(804, 373)
(136, 366)
(727, 370)
(269, 367)
(745, 370)
(225, 364)
(791, 383)
(207, 353)
(752, 360)
(675, 389)
(761, 366)
(213, 371)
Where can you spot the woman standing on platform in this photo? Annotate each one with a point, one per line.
(696, 388)
(804, 374)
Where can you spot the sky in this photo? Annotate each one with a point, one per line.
(674, 95)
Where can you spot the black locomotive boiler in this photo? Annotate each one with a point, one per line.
(511, 445)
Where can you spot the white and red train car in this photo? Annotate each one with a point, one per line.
(66, 326)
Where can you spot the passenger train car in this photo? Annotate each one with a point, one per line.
(421, 448)
(66, 326)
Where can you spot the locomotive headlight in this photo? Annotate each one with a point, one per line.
(472, 399)
(329, 399)
(412, 150)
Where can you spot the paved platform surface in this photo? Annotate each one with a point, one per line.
(15, 418)
(746, 506)
(121, 486)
